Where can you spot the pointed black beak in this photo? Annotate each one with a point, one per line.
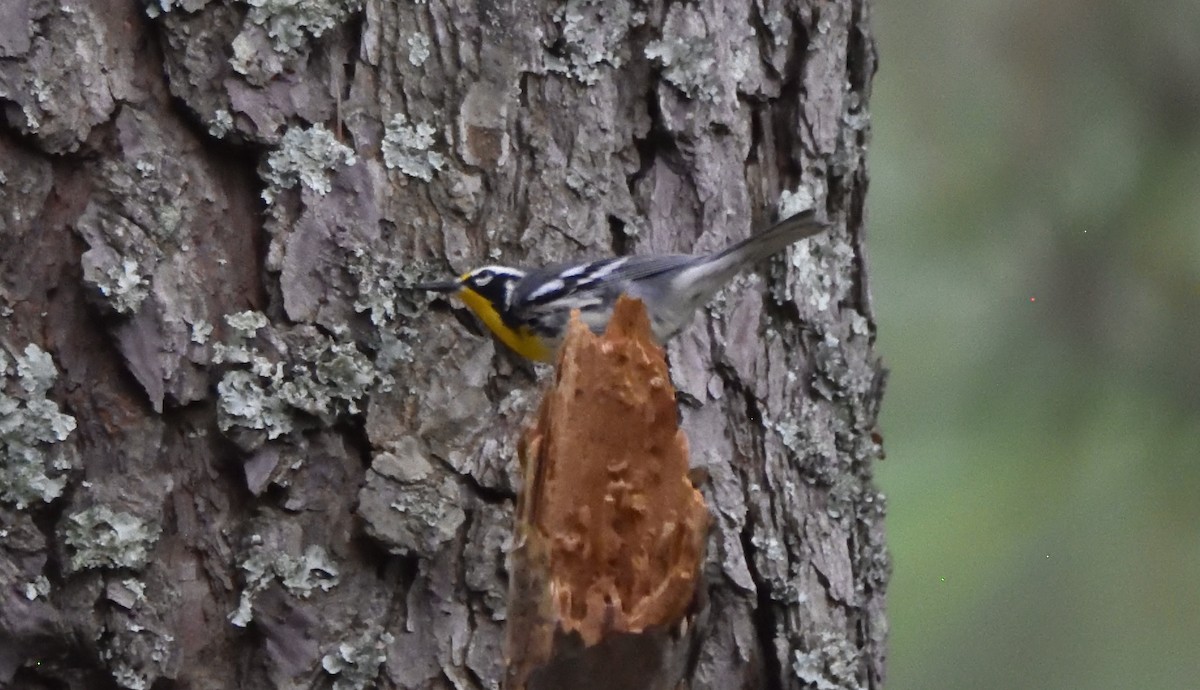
(440, 286)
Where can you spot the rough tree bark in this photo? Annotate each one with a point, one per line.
(234, 454)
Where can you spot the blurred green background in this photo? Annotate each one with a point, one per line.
(1035, 256)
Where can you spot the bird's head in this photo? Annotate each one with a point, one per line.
(488, 292)
(491, 284)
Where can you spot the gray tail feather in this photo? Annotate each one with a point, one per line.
(769, 242)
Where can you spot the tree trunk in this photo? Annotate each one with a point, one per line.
(235, 453)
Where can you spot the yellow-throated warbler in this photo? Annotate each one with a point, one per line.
(528, 310)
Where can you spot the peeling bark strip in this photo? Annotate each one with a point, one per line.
(610, 531)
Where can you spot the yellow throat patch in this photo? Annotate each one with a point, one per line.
(524, 342)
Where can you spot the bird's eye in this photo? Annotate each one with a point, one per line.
(482, 279)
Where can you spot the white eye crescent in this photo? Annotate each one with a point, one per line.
(482, 279)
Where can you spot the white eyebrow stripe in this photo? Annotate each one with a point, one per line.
(500, 270)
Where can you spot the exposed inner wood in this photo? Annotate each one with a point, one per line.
(609, 513)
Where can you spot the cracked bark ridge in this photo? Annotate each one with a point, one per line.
(611, 532)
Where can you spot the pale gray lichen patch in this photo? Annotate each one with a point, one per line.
(831, 665)
(378, 276)
(843, 370)
(383, 294)
(299, 575)
(33, 460)
(812, 437)
(790, 203)
(356, 661)
(821, 274)
(418, 49)
(113, 266)
(284, 375)
(873, 560)
(247, 323)
(124, 673)
(705, 63)
(128, 593)
(704, 67)
(859, 325)
(688, 64)
(778, 24)
(201, 330)
(123, 284)
(99, 537)
(304, 156)
(157, 8)
(221, 123)
(133, 643)
(592, 32)
(35, 370)
(290, 23)
(136, 670)
(39, 587)
(278, 31)
(407, 148)
(769, 550)
(332, 378)
(245, 401)
(857, 118)
(141, 206)
(384, 285)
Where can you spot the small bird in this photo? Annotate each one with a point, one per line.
(528, 310)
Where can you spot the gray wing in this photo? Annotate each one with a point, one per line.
(602, 277)
(548, 295)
